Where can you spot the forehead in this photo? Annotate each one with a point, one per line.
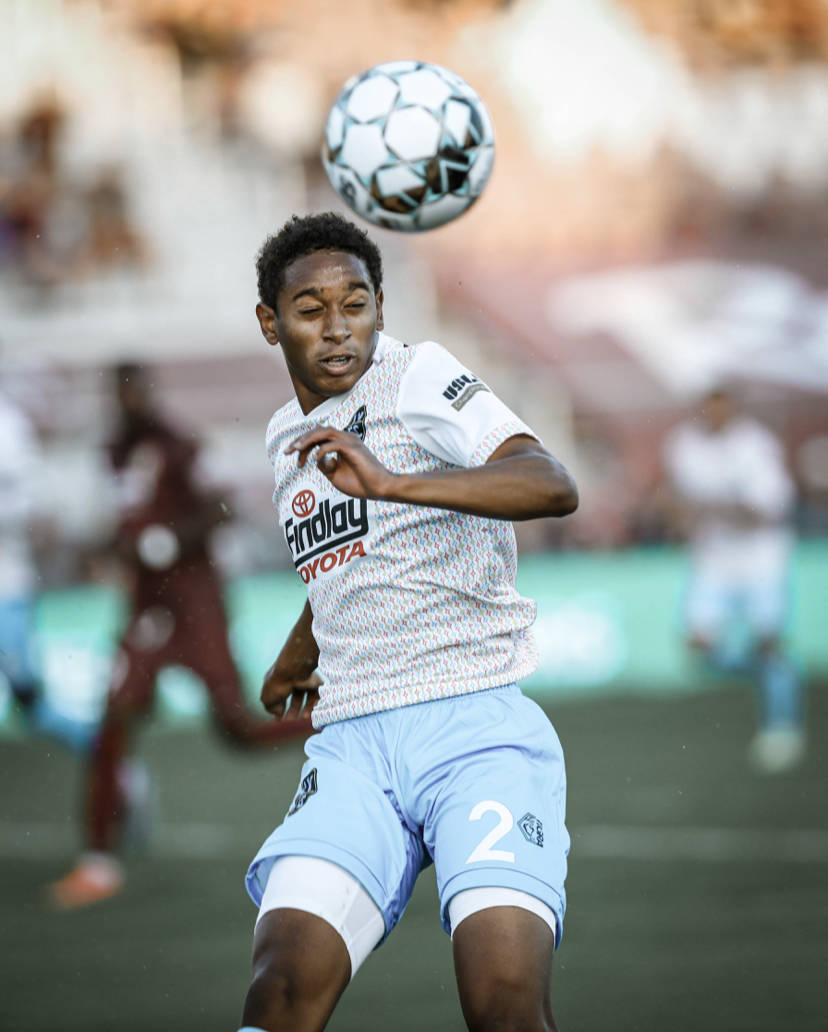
(324, 270)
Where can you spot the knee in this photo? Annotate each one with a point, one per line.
(506, 1004)
(768, 646)
(293, 985)
(275, 993)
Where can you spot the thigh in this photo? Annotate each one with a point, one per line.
(498, 817)
(201, 640)
(709, 606)
(326, 890)
(132, 682)
(343, 815)
(503, 964)
(766, 604)
(300, 970)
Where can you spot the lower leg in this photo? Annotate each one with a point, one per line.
(105, 807)
(780, 689)
(98, 874)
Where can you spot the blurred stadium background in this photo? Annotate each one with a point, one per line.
(656, 222)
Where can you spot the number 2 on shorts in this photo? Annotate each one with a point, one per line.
(483, 851)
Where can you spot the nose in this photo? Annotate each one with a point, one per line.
(336, 325)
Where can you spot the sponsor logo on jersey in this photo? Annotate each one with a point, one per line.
(303, 503)
(532, 828)
(306, 789)
(356, 424)
(327, 534)
(462, 389)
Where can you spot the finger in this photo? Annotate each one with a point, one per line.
(302, 455)
(327, 457)
(276, 708)
(273, 701)
(295, 707)
(311, 438)
(328, 446)
(309, 684)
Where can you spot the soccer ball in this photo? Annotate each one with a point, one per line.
(408, 145)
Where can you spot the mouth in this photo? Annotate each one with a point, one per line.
(337, 365)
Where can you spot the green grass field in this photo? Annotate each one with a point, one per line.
(698, 890)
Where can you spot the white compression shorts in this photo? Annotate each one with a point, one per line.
(323, 888)
(469, 901)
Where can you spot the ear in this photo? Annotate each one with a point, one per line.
(267, 321)
(380, 321)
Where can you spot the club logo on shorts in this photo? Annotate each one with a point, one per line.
(532, 828)
(306, 790)
(356, 424)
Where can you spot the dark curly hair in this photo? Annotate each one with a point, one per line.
(302, 236)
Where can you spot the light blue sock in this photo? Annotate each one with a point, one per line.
(781, 692)
(251, 1028)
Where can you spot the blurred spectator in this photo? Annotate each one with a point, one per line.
(111, 236)
(30, 186)
(177, 617)
(735, 497)
(19, 455)
(54, 230)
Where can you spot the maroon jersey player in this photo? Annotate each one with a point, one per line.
(176, 616)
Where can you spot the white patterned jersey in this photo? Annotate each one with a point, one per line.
(741, 463)
(410, 603)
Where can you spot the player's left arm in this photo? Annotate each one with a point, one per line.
(521, 480)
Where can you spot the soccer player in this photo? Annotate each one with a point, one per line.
(19, 461)
(397, 474)
(729, 474)
(177, 617)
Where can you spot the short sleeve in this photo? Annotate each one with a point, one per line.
(450, 412)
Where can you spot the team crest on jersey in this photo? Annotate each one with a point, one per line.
(306, 790)
(325, 532)
(356, 424)
(462, 389)
(532, 828)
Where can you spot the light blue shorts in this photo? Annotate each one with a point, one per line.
(475, 783)
(711, 604)
(16, 623)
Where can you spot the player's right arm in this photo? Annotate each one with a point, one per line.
(496, 466)
(293, 676)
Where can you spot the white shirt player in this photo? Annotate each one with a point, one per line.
(18, 468)
(742, 463)
(410, 603)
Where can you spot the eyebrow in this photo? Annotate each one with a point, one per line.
(317, 293)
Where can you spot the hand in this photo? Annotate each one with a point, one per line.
(278, 688)
(355, 471)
